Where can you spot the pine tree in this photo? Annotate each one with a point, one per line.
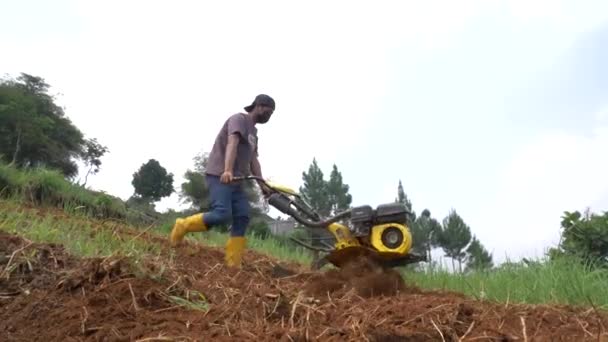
(403, 199)
(424, 234)
(478, 257)
(338, 195)
(454, 237)
(314, 190)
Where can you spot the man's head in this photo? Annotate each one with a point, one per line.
(261, 108)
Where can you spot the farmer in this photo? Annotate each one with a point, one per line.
(234, 154)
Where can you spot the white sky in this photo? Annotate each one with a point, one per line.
(472, 104)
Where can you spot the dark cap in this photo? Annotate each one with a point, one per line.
(261, 99)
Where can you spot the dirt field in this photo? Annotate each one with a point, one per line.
(48, 295)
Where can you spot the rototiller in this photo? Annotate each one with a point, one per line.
(380, 234)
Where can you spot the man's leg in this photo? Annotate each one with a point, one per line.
(221, 212)
(235, 247)
(221, 202)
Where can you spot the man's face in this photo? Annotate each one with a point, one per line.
(263, 113)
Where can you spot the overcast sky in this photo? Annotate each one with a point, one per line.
(498, 109)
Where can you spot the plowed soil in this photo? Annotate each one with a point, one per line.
(48, 295)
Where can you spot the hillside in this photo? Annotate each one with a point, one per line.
(104, 280)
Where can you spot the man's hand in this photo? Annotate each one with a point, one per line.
(226, 177)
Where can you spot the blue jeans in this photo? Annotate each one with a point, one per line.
(229, 204)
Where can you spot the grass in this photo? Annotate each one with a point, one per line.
(194, 301)
(560, 281)
(39, 186)
(80, 235)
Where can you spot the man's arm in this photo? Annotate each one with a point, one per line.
(231, 147)
(256, 170)
(236, 129)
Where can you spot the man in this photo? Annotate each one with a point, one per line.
(234, 154)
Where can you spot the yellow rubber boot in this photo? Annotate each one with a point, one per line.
(235, 247)
(189, 224)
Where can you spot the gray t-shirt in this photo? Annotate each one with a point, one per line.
(248, 146)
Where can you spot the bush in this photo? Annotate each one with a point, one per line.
(40, 186)
(44, 187)
(585, 237)
(10, 180)
(259, 228)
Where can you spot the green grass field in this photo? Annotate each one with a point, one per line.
(542, 282)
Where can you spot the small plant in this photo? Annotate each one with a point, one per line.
(194, 300)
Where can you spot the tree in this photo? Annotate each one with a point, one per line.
(93, 151)
(314, 190)
(34, 131)
(454, 237)
(403, 199)
(425, 231)
(585, 237)
(201, 161)
(195, 189)
(326, 198)
(478, 258)
(338, 192)
(152, 182)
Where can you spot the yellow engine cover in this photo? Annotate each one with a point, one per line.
(391, 238)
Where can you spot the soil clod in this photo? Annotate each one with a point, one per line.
(362, 275)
